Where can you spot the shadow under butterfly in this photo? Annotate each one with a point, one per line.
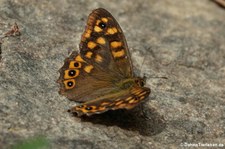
(144, 120)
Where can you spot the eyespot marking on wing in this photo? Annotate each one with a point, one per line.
(72, 73)
(69, 84)
(74, 64)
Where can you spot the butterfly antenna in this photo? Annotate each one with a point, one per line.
(158, 77)
(143, 65)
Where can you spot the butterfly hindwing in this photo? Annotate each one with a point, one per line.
(123, 99)
(79, 80)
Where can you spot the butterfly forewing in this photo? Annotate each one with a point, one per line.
(104, 44)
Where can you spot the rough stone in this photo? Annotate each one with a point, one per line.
(181, 40)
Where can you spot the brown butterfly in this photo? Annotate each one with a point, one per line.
(101, 76)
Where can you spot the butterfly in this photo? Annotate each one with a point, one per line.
(101, 75)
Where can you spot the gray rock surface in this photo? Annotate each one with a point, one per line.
(182, 40)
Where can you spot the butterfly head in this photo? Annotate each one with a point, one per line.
(140, 81)
(131, 82)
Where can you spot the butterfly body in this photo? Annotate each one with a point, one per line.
(101, 76)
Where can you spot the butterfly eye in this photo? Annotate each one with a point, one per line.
(142, 83)
(102, 25)
(72, 73)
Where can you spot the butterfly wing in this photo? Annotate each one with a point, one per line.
(80, 80)
(123, 99)
(103, 44)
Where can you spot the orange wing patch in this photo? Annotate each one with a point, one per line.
(97, 29)
(111, 31)
(98, 58)
(118, 54)
(91, 45)
(87, 34)
(88, 54)
(88, 68)
(79, 59)
(101, 40)
(115, 44)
